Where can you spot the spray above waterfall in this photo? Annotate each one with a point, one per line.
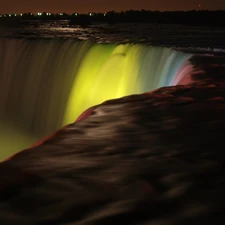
(46, 84)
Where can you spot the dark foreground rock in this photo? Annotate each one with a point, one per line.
(156, 159)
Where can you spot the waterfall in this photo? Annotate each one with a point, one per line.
(45, 84)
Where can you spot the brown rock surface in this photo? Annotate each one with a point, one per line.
(155, 159)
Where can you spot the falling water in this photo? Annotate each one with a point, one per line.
(45, 84)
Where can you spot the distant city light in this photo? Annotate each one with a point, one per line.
(9, 15)
(39, 14)
(61, 14)
(90, 14)
(21, 14)
(15, 15)
(75, 14)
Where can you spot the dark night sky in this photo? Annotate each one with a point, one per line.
(84, 6)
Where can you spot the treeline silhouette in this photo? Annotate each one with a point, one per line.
(194, 17)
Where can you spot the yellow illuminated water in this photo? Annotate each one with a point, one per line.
(46, 84)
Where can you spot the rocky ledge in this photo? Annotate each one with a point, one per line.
(156, 158)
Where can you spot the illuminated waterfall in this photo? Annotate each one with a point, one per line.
(45, 84)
